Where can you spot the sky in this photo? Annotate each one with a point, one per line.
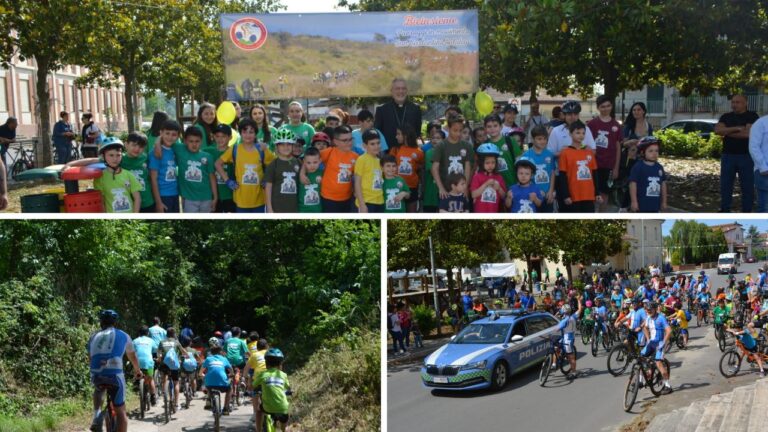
(761, 224)
(295, 6)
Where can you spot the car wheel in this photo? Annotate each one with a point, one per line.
(499, 375)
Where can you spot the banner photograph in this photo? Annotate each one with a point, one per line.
(287, 56)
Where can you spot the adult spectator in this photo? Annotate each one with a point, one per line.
(536, 118)
(397, 112)
(758, 149)
(62, 138)
(7, 136)
(735, 160)
(90, 133)
(636, 127)
(3, 188)
(560, 137)
(509, 114)
(558, 118)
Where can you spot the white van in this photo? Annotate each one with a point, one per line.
(728, 263)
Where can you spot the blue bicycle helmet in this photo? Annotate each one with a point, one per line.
(108, 316)
(488, 149)
(110, 143)
(571, 107)
(524, 162)
(274, 353)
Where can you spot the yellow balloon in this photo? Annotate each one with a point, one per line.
(483, 103)
(226, 113)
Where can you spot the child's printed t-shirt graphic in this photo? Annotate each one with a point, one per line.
(489, 200)
(648, 179)
(452, 157)
(409, 162)
(392, 187)
(117, 191)
(368, 168)
(521, 198)
(195, 170)
(309, 195)
(166, 171)
(283, 174)
(578, 165)
(337, 180)
(248, 174)
(545, 165)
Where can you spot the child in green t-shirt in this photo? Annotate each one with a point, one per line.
(119, 188)
(309, 195)
(510, 149)
(275, 389)
(197, 181)
(134, 161)
(395, 188)
(222, 135)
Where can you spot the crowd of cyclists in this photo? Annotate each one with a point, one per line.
(234, 363)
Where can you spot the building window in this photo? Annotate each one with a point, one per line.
(26, 103)
(62, 97)
(3, 96)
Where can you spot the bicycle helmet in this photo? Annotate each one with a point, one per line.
(274, 353)
(214, 342)
(516, 131)
(571, 107)
(488, 149)
(321, 136)
(108, 315)
(218, 334)
(627, 302)
(522, 162)
(110, 143)
(565, 310)
(647, 142)
(653, 305)
(589, 303)
(284, 136)
(729, 297)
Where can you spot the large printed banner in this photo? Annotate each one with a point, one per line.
(287, 56)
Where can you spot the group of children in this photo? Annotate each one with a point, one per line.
(296, 170)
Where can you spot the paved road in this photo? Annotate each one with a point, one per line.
(194, 419)
(591, 402)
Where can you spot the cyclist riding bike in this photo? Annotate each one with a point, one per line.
(638, 317)
(747, 338)
(657, 331)
(170, 354)
(567, 329)
(720, 313)
(601, 315)
(190, 363)
(143, 345)
(255, 365)
(679, 316)
(157, 333)
(237, 352)
(624, 314)
(216, 372)
(274, 385)
(106, 349)
(703, 299)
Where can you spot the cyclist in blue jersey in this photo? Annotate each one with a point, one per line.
(106, 349)
(567, 328)
(217, 372)
(601, 315)
(703, 298)
(617, 296)
(639, 316)
(170, 354)
(657, 331)
(143, 345)
(157, 333)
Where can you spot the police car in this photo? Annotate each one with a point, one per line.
(487, 351)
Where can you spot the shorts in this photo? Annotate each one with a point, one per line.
(603, 175)
(260, 209)
(568, 344)
(752, 350)
(684, 331)
(148, 209)
(414, 196)
(115, 386)
(218, 388)
(150, 372)
(657, 346)
(282, 418)
(704, 306)
(173, 374)
(191, 206)
(171, 203)
(225, 206)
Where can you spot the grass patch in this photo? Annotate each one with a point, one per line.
(50, 417)
(339, 388)
(30, 188)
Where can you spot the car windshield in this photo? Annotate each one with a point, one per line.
(483, 334)
(726, 261)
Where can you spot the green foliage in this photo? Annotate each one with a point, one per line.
(47, 418)
(424, 316)
(691, 242)
(677, 143)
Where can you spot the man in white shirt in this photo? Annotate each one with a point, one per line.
(560, 137)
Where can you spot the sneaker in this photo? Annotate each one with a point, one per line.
(225, 412)
(668, 388)
(153, 400)
(552, 366)
(762, 374)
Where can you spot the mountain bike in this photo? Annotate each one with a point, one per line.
(25, 160)
(730, 362)
(644, 373)
(587, 329)
(169, 391)
(215, 398)
(108, 415)
(620, 356)
(185, 386)
(144, 399)
(676, 336)
(599, 338)
(555, 355)
(269, 424)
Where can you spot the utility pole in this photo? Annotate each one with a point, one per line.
(434, 284)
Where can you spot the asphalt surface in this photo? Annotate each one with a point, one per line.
(591, 402)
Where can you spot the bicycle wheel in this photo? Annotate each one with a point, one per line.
(730, 363)
(216, 408)
(618, 360)
(594, 344)
(545, 368)
(18, 168)
(698, 319)
(187, 392)
(657, 380)
(721, 343)
(142, 398)
(608, 341)
(680, 341)
(630, 391)
(668, 346)
(172, 395)
(166, 402)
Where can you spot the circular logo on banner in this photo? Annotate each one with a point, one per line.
(248, 34)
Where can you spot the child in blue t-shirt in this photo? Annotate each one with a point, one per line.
(647, 180)
(546, 167)
(162, 172)
(524, 196)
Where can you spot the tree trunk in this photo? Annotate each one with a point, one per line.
(611, 80)
(130, 107)
(43, 152)
(568, 271)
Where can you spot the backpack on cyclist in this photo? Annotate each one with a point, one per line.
(171, 359)
(190, 364)
(688, 315)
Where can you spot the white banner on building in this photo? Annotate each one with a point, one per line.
(498, 270)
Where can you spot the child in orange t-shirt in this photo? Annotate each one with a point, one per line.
(410, 159)
(336, 187)
(576, 181)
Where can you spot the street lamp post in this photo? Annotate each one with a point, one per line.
(434, 283)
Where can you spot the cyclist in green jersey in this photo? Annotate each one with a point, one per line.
(275, 389)
(236, 352)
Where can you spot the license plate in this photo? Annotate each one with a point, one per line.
(441, 380)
